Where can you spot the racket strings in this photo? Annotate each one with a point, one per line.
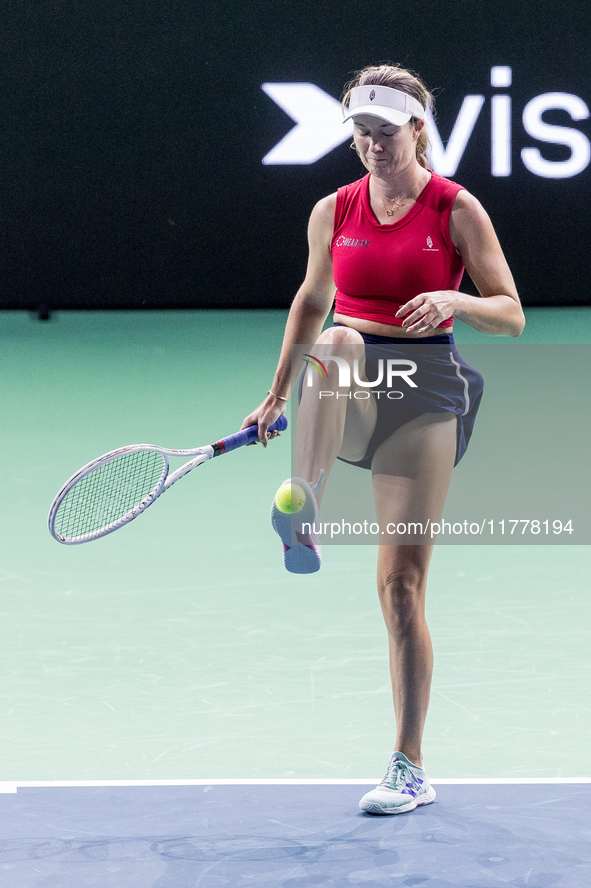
(109, 492)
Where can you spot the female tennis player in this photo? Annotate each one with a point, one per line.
(394, 245)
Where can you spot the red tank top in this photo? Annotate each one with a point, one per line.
(377, 268)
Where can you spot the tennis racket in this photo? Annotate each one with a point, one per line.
(115, 488)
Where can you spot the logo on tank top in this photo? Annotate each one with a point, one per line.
(350, 242)
(430, 248)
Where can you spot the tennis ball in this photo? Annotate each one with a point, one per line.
(290, 498)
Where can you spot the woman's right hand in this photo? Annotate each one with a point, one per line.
(265, 415)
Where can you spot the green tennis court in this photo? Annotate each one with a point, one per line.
(179, 648)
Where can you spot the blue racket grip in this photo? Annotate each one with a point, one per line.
(246, 436)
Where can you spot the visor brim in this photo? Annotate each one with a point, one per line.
(396, 118)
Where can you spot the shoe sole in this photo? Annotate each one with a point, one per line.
(426, 799)
(301, 559)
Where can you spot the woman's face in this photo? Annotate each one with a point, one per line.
(385, 149)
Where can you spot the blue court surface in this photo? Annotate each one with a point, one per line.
(300, 834)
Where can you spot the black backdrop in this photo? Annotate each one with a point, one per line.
(133, 135)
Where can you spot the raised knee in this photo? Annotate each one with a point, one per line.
(340, 336)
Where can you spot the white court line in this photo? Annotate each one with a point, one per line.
(13, 786)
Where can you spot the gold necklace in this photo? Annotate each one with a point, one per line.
(397, 201)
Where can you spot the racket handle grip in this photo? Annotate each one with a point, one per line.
(247, 436)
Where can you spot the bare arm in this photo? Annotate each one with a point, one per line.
(308, 312)
(499, 310)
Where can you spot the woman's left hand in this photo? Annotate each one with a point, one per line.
(427, 311)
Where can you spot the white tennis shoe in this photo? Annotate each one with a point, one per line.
(404, 788)
(301, 549)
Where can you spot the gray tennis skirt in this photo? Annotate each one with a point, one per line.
(444, 383)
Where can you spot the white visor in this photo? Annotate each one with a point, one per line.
(383, 101)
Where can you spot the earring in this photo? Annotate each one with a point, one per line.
(353, 146)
